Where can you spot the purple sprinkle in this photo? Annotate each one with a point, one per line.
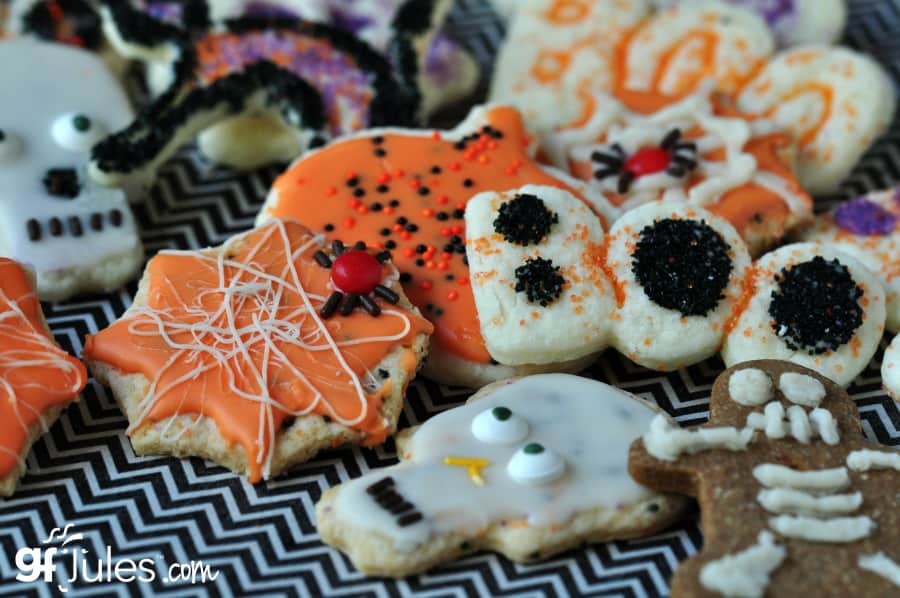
(865, 217)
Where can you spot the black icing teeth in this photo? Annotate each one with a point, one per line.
(524, 220)
(540, 280)
(816, 306)
(384, 493)
(682, 265)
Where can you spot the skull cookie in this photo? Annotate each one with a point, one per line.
(57, 103)
(529, 467)
(795, 500)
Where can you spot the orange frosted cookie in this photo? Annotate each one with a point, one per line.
(37, 378)
(261, 352)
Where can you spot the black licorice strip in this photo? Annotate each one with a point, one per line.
(331, 304)
(370, 306)
(386, 294)
(322, 259)
(380, 486)
(410, 519)
(349, 304)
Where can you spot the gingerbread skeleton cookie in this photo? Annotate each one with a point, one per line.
(795, 500)
(868, 228)
(57, 103)
(407, 191)
(261, 352)
(528, 467)
(37, 378)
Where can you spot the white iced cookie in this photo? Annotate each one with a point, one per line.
(868, 228)
(835, 102)
(57, 101)
(541, 294)
(678, 272)
(890, 369)
(812, 305)
(557, 53)
(680, 47)
(564, 483)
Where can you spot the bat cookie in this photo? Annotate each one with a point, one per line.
(78, 235)
(261, 352)
(407, 191)
(528, 467)
(868, 228)
(794, 500)
(37, 378)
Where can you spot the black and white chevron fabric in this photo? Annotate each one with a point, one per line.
(262, 539)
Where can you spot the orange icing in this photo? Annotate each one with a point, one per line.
(315, 190)
(35, 374)
(224, 340)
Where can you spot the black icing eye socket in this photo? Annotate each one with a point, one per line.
(540, 280)
(524, 220)
(682, 265)
(10, 146)
(816, 306)
(62, 182)
(77, 132)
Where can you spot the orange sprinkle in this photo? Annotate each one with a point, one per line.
(415, 183)
(409, 252)
(457, 230)
(331, 191)
(399, 173)
(384, 177)
(428, 212)
(443, 199)
(430, 265)
(388, 210)
(455, 166)
(406, 235)
(444, 266)
(446, 256)
(425, 285)
(436, 135)
(452, 296)
(350, 175)
(483, 159)
(397, 228)
(363, 209)
(349, 222)
(463, 280)
(300, 180)
(446, 232)
(354, 203)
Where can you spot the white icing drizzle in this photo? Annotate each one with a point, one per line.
(490, 426)
(744, 574)
(881, 564)
(215, 333)
(779, 476)
(799, 425)
(750, 387)
(801, 389)
(666, 441)
(812, 529)
(866, 459)
(787, 500)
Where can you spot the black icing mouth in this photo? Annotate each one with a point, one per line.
(816, 306)
(62, 182)
(682, 265)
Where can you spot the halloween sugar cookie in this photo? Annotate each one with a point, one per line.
(833, 100)
(694, 151)
(813, 305)
(890, 368)
(679, 276)
(57, 103)
(528, 467)
(259, 353)
(795, 500)
(407, 191)
(37, 378)
(868, 228)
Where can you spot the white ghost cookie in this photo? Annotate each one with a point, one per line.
(679, 274)
(835, 102)
(78, 236)
(868, 228)
(890, 369)
(813, 305)
(529, 467)
(541, 294)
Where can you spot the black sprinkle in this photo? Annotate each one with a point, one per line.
(383, 374)
(424, 190)
(34, 229)
(331, 304)
(385, 232)
(394, 203)
(383, 256)
(816, 306)
(468, 183)
(390, 244)
(359, 246)
(653, 507)
(376, 207)
(378, 140)
(540, 280)
(349, 304)
(322, 259)
(435, 170)
(380, 153)
(682, 265)
(405, 277)
(382, 189)
(287, 423)
(329, 228)
(420, 262)
(421, 249)
(359, 192)
(459, 214)
(524, 220)
(442, 216)
(381, 485)
(386, 294)
(412, 228)
(353, 182)
(370, 306)
(402, 221)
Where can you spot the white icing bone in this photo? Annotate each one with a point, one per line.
(799, 425)
(786, 500)
(771, 475)
(864, 460)
(881, 564)
(750, 387)
(801, 389)
(812, 529)
(666, 441)
(744, 574)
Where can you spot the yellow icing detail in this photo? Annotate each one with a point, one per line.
(473, 466)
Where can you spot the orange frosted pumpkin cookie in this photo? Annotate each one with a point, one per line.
(261, 352)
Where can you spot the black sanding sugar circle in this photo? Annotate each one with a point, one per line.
(682, 265)
(524, 220)
(540, 280)
(816, 306)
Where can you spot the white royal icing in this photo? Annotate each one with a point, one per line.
(881, 564)
(801, 389)
(68, 135)
(772, 476)
(812, 529)
(587, 424)
(787, 500)
(751, 387)
(866, 459)
(744, 574)
(799, 425)
(667, 441)
(494, 426)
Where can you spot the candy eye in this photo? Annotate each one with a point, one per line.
(499, 426)
(77, 132)
(10, 146)
(535, 464)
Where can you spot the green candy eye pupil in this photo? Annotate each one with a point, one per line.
(2, 135)
(501, 413)
(533, 448)
(81, 122)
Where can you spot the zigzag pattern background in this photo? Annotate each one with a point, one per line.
(262, 538)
